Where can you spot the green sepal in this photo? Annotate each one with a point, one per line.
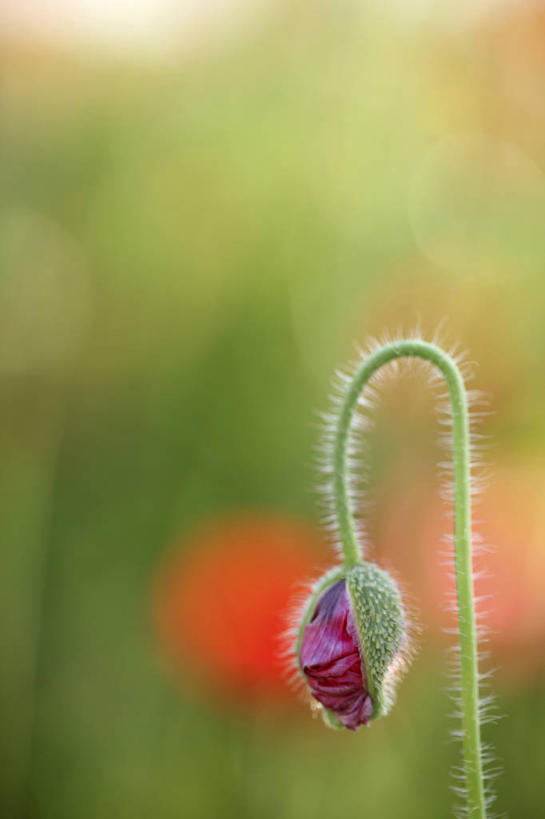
(332, 720)
(380, 621)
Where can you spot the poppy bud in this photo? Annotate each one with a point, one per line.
(351, 645)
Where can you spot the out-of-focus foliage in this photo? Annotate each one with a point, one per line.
(188, 248)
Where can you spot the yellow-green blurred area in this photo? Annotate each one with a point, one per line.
(204, 206)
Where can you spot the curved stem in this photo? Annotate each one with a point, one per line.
(462, 533)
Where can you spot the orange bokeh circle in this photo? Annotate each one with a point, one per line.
(222, 598)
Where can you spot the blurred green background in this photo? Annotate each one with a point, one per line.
(202, 210)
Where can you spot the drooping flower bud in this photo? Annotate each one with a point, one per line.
(351, 645)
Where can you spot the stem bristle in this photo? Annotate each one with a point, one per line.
(459, 411)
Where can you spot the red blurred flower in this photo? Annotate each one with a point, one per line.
(221, 602)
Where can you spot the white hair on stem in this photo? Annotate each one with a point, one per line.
(359, 501)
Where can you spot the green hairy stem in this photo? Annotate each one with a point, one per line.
(462, 532)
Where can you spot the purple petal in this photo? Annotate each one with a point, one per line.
(331, 661)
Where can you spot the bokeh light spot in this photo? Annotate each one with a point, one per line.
(222, 600)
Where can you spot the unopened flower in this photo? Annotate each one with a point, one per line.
(351, 644)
